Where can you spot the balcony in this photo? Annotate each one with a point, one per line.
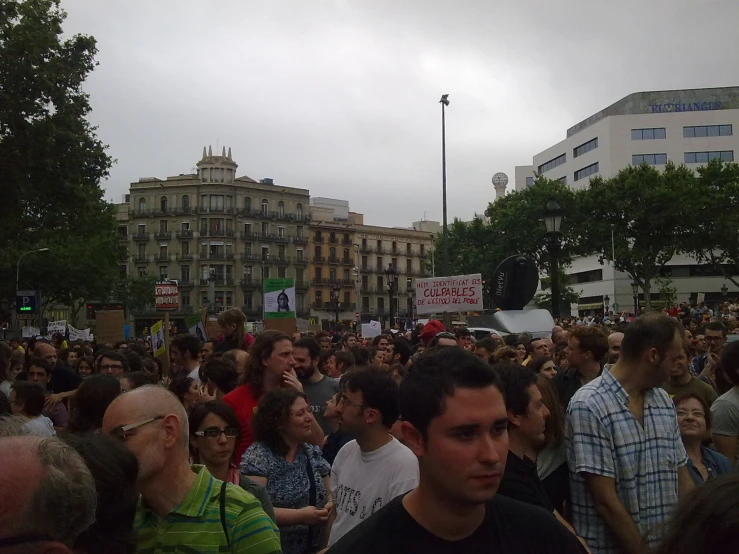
(317, 239)
(334, 260)
(331, 306)
(301, 285)
(249, 283)
(123, 237)
(162, 257)
(217, 233)
(300, 240)
(347, 261)
(346, 242)
(284, 239)
(333, 240)
(319, 260)
(249, 235)
(303, 261)
(217, 256)
(139, 258)
(218, 281)
(140, 236)
(184, 257)
(282, 260)
(367, 250)
(140, 213)
(186, 283)
(251, 257)
(163, 235)
(347, 282)
(185, 210)
(184, 234)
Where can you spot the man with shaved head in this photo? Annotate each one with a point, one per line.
(182, 505)
(614, 348)
(47, 496)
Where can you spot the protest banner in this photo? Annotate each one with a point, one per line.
(109, 326)
(29, 332)
(279, 298)
(56, 327)
(195, 326)
(371, 330)
(157, 338)
(78, 334)
(459, 293)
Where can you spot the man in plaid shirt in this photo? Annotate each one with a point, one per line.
(627, 462)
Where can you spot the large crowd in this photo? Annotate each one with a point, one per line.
(613, 434)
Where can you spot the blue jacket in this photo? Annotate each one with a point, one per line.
(716, 464)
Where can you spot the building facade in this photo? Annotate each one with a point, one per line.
(219, 235)
(683, 126)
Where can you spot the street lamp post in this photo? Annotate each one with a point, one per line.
(18, 266)
(444, 101)
(724, 290)
(606, 303)
(411, 298)
(335, 290)
(635, 292)
(392, 276)
(553, 222)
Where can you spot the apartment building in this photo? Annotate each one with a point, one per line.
(684, 126)
(219, 235)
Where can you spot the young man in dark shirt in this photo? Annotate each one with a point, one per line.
(455, 422)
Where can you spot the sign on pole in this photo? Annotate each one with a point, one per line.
(279, 298)
(25, 302)
(166, 296)
(371, 330)
(157, 338)
(459, 293)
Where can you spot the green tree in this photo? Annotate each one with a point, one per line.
(52, 162)
(135, 292)
(715, 239)
(568, 295)
(650, 215)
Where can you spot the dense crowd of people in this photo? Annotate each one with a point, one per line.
(609, 435)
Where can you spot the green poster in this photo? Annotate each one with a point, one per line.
(279, 298)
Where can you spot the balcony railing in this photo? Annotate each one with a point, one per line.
(346, 242)
(319, 260)
(217, 256)
(184, 234)
(162, 257)
(216, 233)
(251, 283)
(334, 260)
(279, 216)
(163, 235)
(318, 240)
(301, 261)
(219, 282)
(141, 236)
(186, 283)
(184, 257)
(140, 258)
(301, 285)
(300, 240)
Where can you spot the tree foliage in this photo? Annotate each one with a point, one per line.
(652, 215)
(52, 161)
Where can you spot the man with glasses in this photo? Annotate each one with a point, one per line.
(371, 470)
(38, 477)
(182, 505)
(113, 363)
(714, 337)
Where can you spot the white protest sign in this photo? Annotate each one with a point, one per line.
(371, 330)
(459, 293)
(56, 327)
(29, 332)
(78, 334)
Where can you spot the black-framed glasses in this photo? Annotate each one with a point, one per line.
(123, 432)
(23, 539)
(215, 432)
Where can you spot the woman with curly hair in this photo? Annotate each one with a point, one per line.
(294, 471)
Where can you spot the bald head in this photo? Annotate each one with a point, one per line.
(45, 351)
(45, 489)
(559, 335)
(614, 346)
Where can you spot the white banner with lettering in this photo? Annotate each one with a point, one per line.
(371, 330)
(79, 334)
(29, 332)
(56, 327)
(459, 293)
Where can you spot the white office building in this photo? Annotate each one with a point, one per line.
(682, 126)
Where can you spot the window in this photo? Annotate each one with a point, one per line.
(299, 253)
(708, 131)
(281, 252)
(379, 245)
(364, 243)
(299, 231)
(163, 272)
(705, 157)
(365, 304)
(163, 226)
(142, 204)
(346, 254)
(380, 304)
(265, 252)
(163, 204)
(185, 273)
(142, 228)
(265, 229)
(409, 267)
(529, 181)
(379, 283)
(185, 225)
(247, 248)
(648, 134)
(586, 171)
(551, 164)
(122, 231)
(247, 230)
(332, 275)
(281, 232)
(563, 180)
(186, 248)
(586, 276)
(423, 249)
(247, 204)
(346, 275)
(379, 263)
(347, 299)
(122, 271)
(186, 202)
(265, 206)
(408, 249)
(281, 272)
(395, 247)
(299, 210)
(185, 298)
(319, 298)
(585, 147)
(317, 252)
(265, 273)
(318, 273)
(332, 253)
(298, 277)
(649, 159)
(142, 272)
(281, 208)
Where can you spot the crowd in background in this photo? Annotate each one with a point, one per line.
(297, 443)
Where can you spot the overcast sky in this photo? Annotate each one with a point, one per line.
(340, 96)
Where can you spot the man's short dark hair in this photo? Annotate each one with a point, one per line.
(42, 363)
(462, 332)
(516, 380)
(222, 372)
(486, 344)
(715, 326)
(113, 355)
(400, 346)
(311, 345)
(379, 391)
(347, 336)
(730, 361)
(531, 346)
(344, 358)
(649, 331)
(31, 395)
(591, 339)
(436, 376)
(135, 363)
(187, 343)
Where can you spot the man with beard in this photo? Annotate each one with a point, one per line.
(627, 461)
(316, 386)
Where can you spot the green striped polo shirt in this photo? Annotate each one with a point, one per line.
(195, 527)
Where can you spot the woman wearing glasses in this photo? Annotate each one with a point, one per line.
(294, 471)
(214, 434)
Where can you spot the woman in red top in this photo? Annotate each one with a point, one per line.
(270, 366)
(233, 333)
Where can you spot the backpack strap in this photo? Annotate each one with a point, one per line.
(223, 512)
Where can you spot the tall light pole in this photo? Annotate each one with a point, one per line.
(18, 267)
(553, 221)
(444, 102)
(392, 283)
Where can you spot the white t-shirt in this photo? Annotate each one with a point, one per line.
(195, 375)
(40, 426)
(364, 482)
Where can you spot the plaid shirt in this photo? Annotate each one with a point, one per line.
(604, 438)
